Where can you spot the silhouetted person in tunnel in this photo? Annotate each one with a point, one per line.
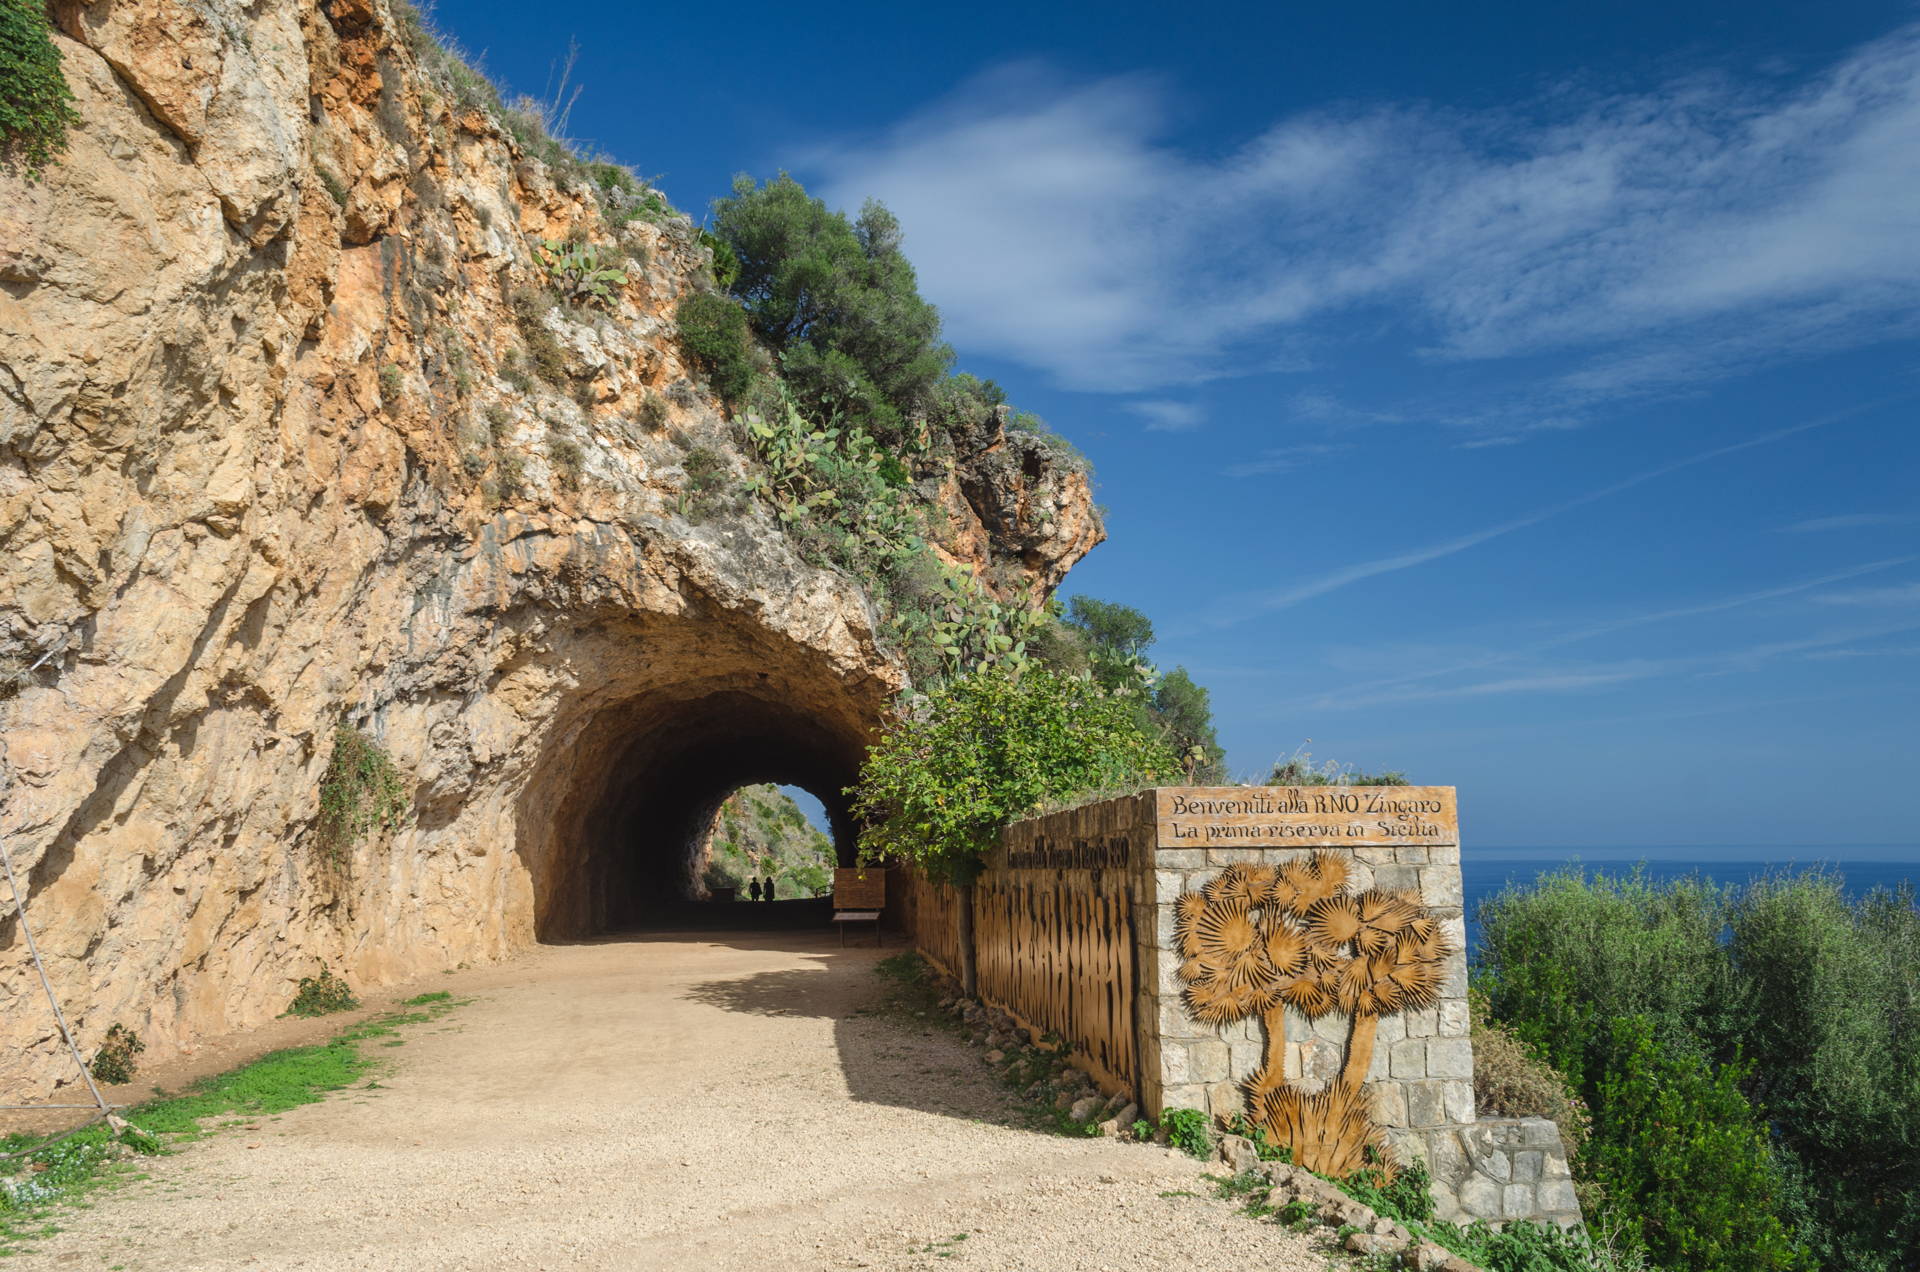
(753, 887)
(768, 890)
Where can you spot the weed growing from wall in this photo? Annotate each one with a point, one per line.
(360, 791)
(1188, 1131)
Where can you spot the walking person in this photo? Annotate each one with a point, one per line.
(753, 887)
(768, 890)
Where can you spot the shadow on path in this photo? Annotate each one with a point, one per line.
(893, 1049)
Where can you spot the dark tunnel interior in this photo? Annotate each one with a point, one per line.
(645, 781)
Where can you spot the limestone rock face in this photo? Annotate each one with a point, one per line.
(275, 455)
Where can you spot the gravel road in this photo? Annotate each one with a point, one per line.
(703, 1101)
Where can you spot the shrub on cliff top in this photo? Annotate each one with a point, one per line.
(713, 331)
(35, 102)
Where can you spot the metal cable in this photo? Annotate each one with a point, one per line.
(26, 930)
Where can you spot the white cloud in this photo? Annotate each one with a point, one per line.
(1851, 521)
(1899, 594)
(1249, 605)
(1282, 459)
(1168, 417)
(1666, 235)
(1603, 675)
(1483, 660)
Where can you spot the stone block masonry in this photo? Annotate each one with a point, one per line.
(1140, 854)
(1496, 1169)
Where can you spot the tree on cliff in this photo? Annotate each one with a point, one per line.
(1109, 642)
(839, 301)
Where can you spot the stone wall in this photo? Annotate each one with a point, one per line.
(1421, 1072)
(1495, 1169)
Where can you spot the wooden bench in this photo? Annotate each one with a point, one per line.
(843, 917)
(859, 896)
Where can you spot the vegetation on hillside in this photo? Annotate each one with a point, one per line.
(760, 832)
(1750, 1055)
(36, 106)
(1108, 643)
(981, 750)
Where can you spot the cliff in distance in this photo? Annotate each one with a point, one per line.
(298, 437)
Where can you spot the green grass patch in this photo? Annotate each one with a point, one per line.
(62, 1171)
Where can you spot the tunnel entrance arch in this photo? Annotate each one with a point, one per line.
(611, 823)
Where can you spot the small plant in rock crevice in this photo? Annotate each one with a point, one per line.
(705, 491)
(569, 460)
(544, 351)
(114, 1062)
(361, 790)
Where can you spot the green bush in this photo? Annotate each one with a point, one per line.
(1560, 960)
(726, 265)
(713, 330)
(1188, 1131)
(36, 106)
(1827, 1001)
(360, 790)
(321, 995)
(1809, 996)
(1678, 1150)
(983, 749)
(1109, 642)
(114, 1063)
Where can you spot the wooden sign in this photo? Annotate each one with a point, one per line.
(1306, 816)
(860, 888)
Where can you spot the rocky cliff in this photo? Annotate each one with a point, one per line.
(293, 436)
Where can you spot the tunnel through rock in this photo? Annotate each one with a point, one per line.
(612, 825)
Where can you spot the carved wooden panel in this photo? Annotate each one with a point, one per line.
(931, 916)
(1055, 947)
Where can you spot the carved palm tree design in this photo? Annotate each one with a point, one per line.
(1259, 939)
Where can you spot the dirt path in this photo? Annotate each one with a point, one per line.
(699, 1102)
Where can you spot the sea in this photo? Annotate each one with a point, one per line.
(1861, 867)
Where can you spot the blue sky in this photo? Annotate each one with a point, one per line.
(1525, 398)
